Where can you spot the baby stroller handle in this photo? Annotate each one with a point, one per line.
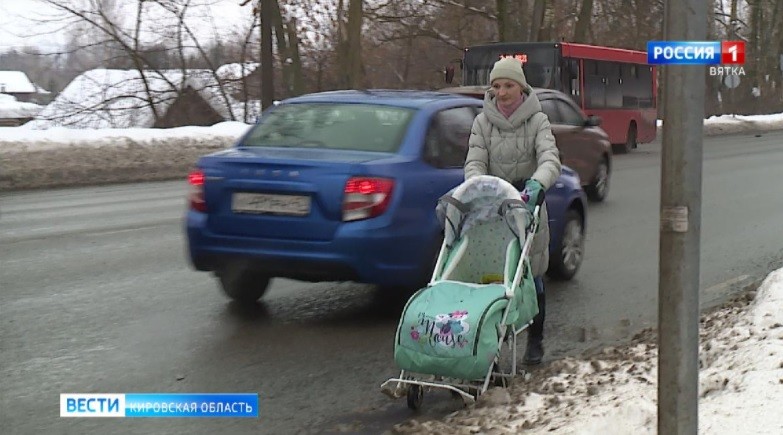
(531, 230)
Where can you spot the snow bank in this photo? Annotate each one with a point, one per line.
(60, 157)
(615, 391)
(728, 124)
(13, 109)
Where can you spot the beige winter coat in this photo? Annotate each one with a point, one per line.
(514, 149)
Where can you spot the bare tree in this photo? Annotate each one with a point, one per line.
(349, 53)
(153, 35)
(583, 22)
(328, 44)
(537, 24)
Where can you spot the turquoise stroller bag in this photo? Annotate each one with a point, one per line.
(482, 288)
(450, 329)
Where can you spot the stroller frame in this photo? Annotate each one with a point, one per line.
(414, 387)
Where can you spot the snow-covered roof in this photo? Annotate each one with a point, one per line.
(12, 109)
(40, 90)
(236, 71)
(15, 82)
(107, 98)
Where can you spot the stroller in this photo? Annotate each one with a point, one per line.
(481, 295)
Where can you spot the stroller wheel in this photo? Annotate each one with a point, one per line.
(415, 396)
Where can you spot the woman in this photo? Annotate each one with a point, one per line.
(512, 140)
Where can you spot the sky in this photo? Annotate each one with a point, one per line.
(18, 28)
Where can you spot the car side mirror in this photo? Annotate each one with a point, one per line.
(592, 121)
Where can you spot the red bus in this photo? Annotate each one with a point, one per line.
(613, 83)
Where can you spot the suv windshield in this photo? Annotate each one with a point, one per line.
(359, 127)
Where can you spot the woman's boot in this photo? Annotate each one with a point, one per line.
(535, 336)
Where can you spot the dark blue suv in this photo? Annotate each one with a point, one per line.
(342, 186)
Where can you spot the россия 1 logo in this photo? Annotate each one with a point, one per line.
(731, 54)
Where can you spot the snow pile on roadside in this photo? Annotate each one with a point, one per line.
(615, 391)
(32, 159)
(725, 124)
(23, 139)
(728, 124)
(10, 108)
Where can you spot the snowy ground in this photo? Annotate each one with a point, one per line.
(615, 391)
(60, 157)
(727, 124)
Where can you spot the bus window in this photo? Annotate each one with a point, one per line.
(645, 87)
(595, 86)
(631, 86)
(614, 92)
(610, 70)
(569, 77)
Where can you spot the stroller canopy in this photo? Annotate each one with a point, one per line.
(481, 199)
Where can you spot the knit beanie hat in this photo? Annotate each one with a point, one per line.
(508, 68)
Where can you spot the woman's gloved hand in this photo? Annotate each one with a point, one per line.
(532, 194)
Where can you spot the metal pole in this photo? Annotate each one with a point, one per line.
(680, 231)
(267, 70)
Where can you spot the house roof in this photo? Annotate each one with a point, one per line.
(15, 82)
(107, 98)
(236, 71)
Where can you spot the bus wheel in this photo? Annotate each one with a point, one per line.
(630, 142)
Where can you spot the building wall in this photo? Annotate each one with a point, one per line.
(13, 122)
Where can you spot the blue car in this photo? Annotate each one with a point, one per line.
(342, 186)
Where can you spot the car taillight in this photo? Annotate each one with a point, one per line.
(366, 197)
(196, 194)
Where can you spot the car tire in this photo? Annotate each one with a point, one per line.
(566, 260)
(243, 284)
(599, 188)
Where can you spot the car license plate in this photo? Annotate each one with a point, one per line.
(267, 203)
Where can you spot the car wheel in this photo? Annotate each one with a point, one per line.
(242, 284)
(630, 141)
(598, 190)
(565, 262)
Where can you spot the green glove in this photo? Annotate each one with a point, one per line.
(533, 194)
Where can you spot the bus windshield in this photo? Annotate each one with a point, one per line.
(538, 62)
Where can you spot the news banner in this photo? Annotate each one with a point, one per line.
(159, 405)
(729, 54)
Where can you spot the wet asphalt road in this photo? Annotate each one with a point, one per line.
(96, 296)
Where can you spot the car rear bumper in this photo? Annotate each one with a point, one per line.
(354, 254)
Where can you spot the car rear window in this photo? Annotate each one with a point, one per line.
(358, 127)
